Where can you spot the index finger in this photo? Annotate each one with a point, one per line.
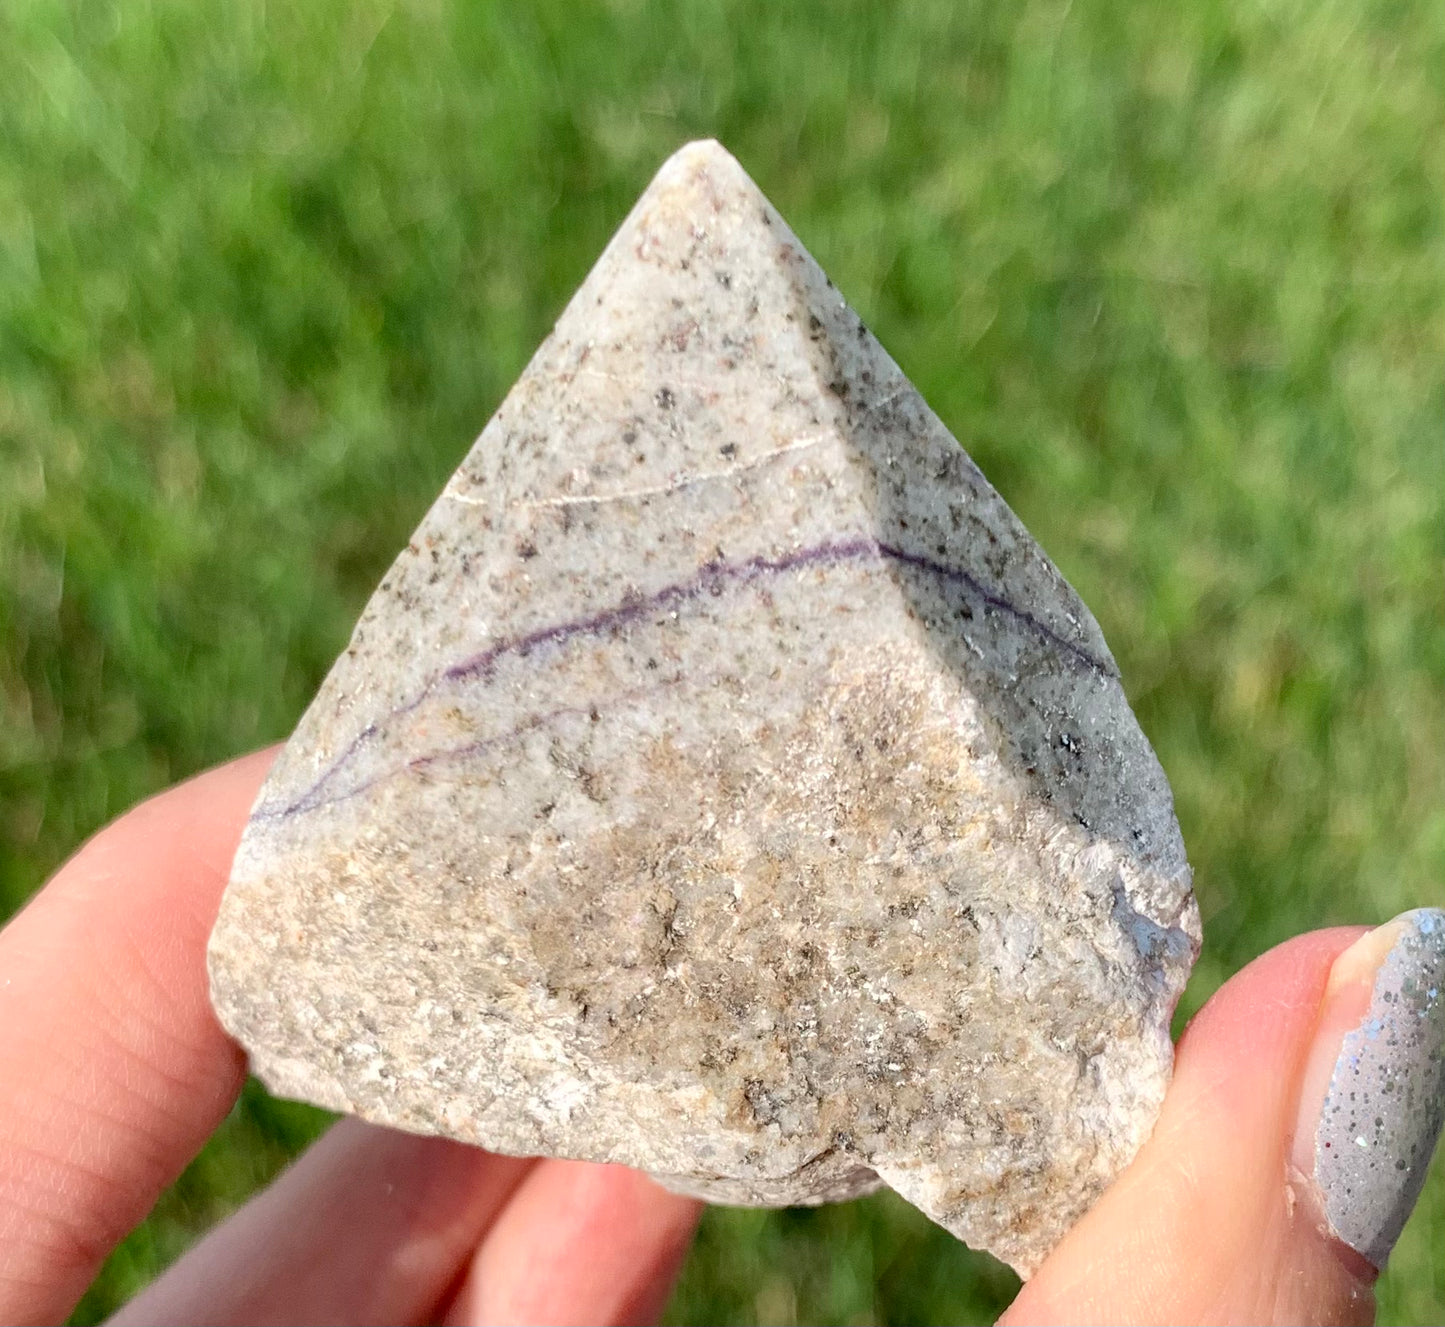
(113, 1069)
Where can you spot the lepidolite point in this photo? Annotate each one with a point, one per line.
(724, 783)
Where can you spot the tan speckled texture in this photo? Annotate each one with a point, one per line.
(723, 782)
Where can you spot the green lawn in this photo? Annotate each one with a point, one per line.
(1175, 274)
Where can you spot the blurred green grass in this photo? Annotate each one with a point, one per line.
(1174, 275)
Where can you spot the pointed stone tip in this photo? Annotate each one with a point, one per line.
(704, 159)
(703, 152)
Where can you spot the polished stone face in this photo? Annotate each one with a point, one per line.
(723, 782)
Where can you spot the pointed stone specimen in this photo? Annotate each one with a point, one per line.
(724, 783)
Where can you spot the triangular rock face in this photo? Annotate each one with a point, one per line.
(724, 783)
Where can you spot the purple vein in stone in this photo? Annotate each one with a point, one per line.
(711, 579)
(447, 755)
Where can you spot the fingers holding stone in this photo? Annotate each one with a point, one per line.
(1240, 1207)
(113, 1069)
(1372, 1097)
(370, 1225)
(579, 1243)
(376, 1225)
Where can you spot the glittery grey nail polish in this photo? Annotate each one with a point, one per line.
(1386, 1099)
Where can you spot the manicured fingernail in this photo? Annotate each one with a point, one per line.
(1373, 1096)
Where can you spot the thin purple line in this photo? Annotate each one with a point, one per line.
(455, 753)
(711, 578)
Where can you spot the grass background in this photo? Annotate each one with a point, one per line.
(1175, 275)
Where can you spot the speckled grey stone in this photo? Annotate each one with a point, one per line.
(723, 782)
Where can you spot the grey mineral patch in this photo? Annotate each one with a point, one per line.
(723, 782)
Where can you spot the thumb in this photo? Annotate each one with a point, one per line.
(1306, 1102)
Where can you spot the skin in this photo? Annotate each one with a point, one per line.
(113, 1071)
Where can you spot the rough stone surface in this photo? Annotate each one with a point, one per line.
(723, 782)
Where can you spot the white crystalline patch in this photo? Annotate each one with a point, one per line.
(724, 757)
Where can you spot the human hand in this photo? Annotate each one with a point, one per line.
(113, 1071)
(1240, 1206)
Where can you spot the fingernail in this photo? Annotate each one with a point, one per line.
(1373, 1094)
